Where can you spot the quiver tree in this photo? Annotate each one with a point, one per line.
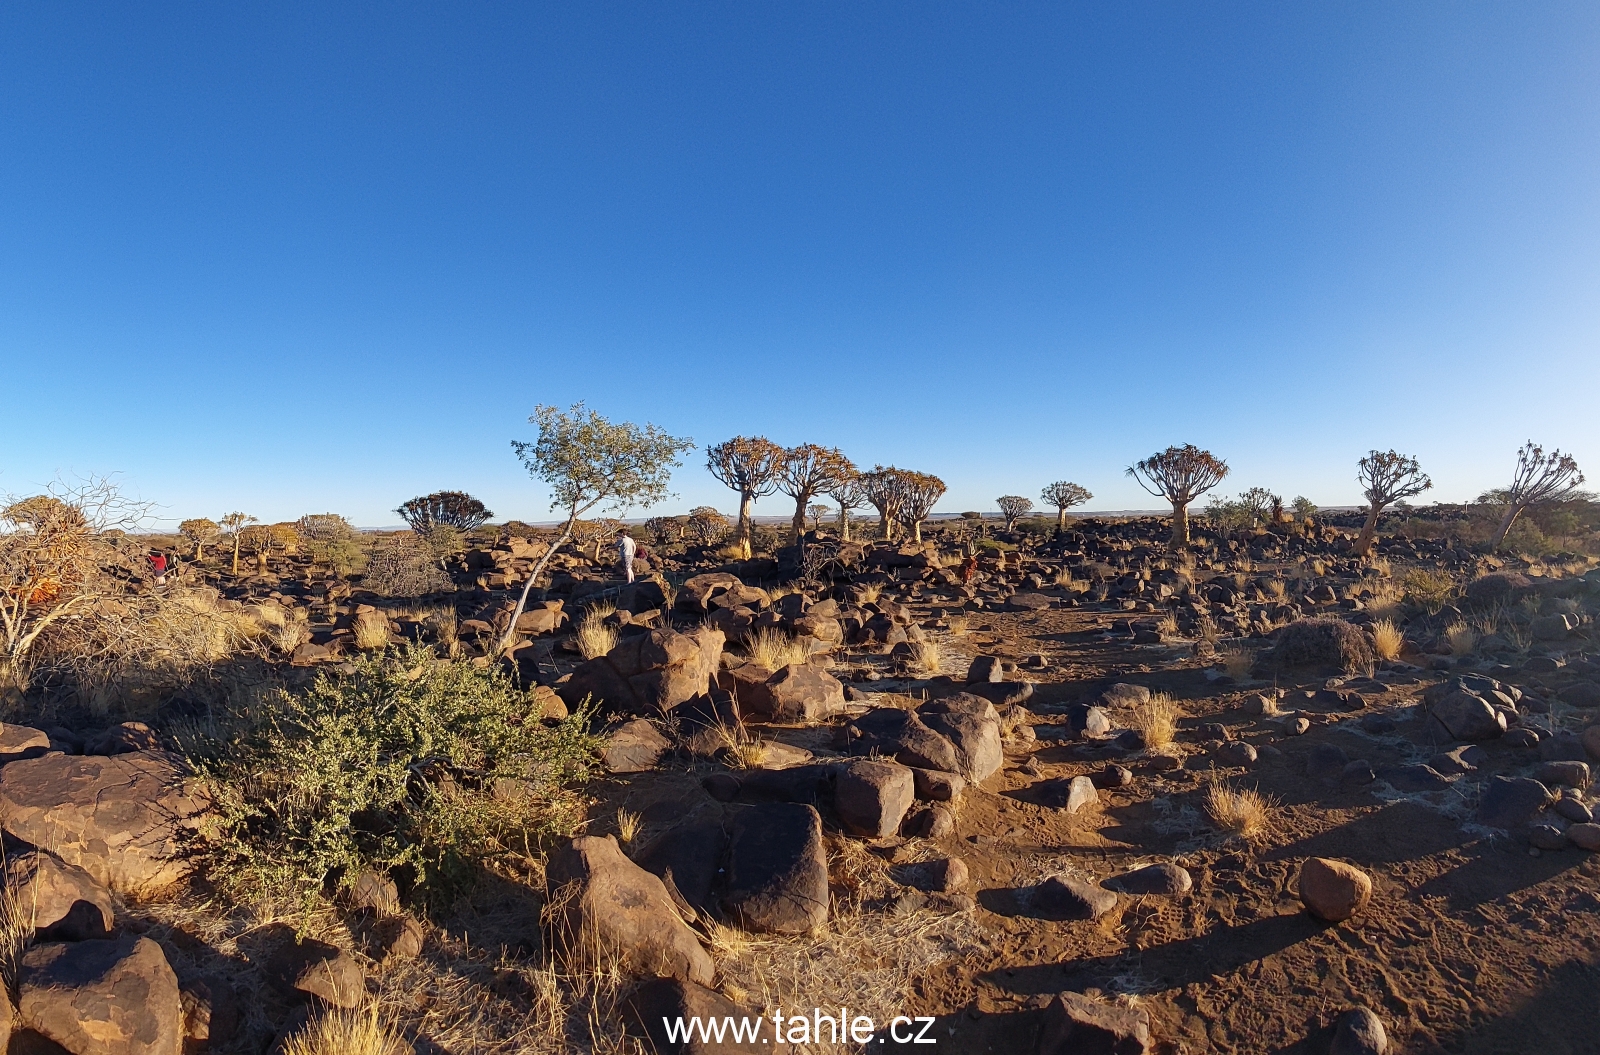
(665, 529)
(234, 524)
(881, 489)
(748, 465)
(1064, 495)
(452, 509)
(1180, 475)
(332, 541)
(1540, 479)
(848, 493)
(201, 532)
(807, 471)
(816, 511)
(1385, 477)
(1012, 507)
(919, 493)
(588, 461)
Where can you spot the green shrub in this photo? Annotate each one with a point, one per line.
(409, 761)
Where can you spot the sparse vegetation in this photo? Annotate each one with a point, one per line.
(1461, 638)
(597, 637)
(1429, 589)
(336, 1031)
(1156, 720)
(1387, 640)
(773, 649)
(1244, 812)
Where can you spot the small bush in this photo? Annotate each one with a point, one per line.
(340, 1032)
(1461, 638)
(1429, 589)
(1498, 588)
(1324, 643)
(595, 637)
(408, 761)
(773, 649)
(1238, 663)
(405, 566)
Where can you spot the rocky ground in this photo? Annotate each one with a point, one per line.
(1013, 798)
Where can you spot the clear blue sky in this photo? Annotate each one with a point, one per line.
(298, 258)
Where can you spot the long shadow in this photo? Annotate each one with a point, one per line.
(1400, 831)
(1169, 966)
(1561, 1018)
(1496, 872)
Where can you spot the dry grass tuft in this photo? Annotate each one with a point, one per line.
(595, 638)
(1461, 638)
(1157, 721)
(871, 592)
(1277, 589)
(371, 634)
(1238, 662)
(1429, 589)
(742, 751)
(1387, 639)
(773, 649)
(628, 824)
(1246, 813)
(340, 1032)
(927, 659)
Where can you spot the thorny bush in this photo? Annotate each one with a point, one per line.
(411, 762)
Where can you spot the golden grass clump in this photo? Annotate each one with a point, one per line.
(1246, 813)
(371, 634)
(1461, 638)
(773, 649)
(1238, 662)
(926, 658)
(595, 638)
(871, 592)
(1387, 639)
(1157, 721)
(628, 824)
(341, 1032)
(1277, 589)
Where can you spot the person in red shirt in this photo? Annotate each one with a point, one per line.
(158, 564)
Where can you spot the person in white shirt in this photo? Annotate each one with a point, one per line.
(626, 548)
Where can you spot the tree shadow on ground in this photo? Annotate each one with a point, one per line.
(1169, 966)
(1400, 831)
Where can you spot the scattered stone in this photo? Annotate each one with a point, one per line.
(649, 673)
(1547, 837)
(121, 819)
(947, 875)
(19, 741)
(871, 798)
(931, 822)
(318, 969)
(777, 870)
(1358, 771)
(1562, 747)
(1378, 723)
(634, 747)
(1066, 897)
(803, 692)
(402, 938)
(1260, 705)
(605, 896)
(1073, 796)
(1581, 694)
(1522, 737)
(1295, 726)
(376, 893)
(1414, 778)
(1235, 754)
(1573, 810)
(1458, 760)
(210, 1014)
(1075, 1024)
(1591, 742)
(1325, 763)
(893, 733)
(986, 669)
(121, 739)
(102, 997)
(1464, 716)
(1164, 878)
(1113, 777)
(662, 1000)
(971, 725)
(1359, 1032)
(1511, 803)
(1586, 836)
(1566, 774)
(1332, 890)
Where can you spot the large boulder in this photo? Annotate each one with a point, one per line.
(649, 673)
(657, 1006)
(102, 997)
(890, 732)
(697, 591)
(871, 798)
(971, 725)
(633, 747)
(63, 902)
(20, 741)
(121, 819)
(777, 869)
(1510, 803)
(605, 903)
(1075, 1024)
(1465, 716)
(801, 691)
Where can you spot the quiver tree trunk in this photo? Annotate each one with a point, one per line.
(1512, 512)
(1180, 524)
(1369, 531)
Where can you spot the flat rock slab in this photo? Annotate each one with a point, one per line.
(102, 997)
(1066, 897)
(777, 869)
(1075, 1024)
(1510, 803)
(120, 819)
(1165, 878)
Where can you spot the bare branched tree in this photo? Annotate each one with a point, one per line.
(587, 462)
(57, 552)
(807, 471)
(1180, 475)
(748, 465)
(849, 494)
(1260, 503)
(1540, 479)
(1385, 477)
(1064, 495)
(816, 511)
(1012, 507)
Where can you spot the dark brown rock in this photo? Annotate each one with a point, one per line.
(65, 902)
(777, 869)
(1075, 1024)
(102, 997)
(871, 798)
